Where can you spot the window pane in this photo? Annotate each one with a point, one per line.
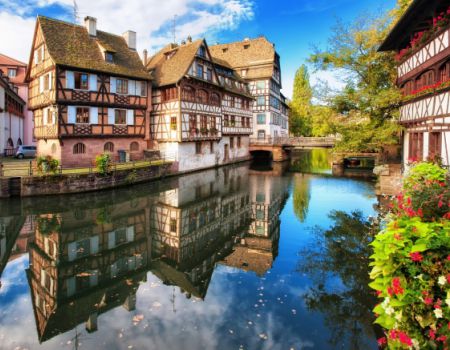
(120, 116)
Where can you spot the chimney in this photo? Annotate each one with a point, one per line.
(145, 54)
(246, 39)
(91, 25)
(130, 38)
(189, 39)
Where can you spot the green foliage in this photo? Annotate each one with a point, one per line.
(411, 263)
(370, 99)
(300, 105)
(103, 163)
(47, 165)
(48, 224)
(411, 273)
(131, 177)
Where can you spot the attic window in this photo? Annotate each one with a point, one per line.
(109, 57)
(246, 46)
(201, 51)
(224, 49)
(169, 55)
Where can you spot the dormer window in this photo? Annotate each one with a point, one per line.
(246, 46)
(201, 51)
(109, 57)
(225, 49)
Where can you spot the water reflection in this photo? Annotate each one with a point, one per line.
(315, 161)
(343, 250)
(207, 260)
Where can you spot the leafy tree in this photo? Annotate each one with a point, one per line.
(301, 196)
(301, 104)
(370, 99)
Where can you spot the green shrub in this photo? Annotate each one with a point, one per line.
(426, 193)
(411, 273)
(103, 163)
(411, 264)
(47, 165)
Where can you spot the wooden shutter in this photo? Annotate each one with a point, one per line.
(93, 115)
(132, 88)
(70, 80)
(130, 117)
(50, 81)
(71, 114)
(92, 82)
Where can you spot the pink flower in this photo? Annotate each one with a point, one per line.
(428, 301)
(416, 257)
(382, 341)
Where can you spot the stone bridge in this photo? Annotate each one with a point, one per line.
(279, 148)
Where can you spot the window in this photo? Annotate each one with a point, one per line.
(81, 81)
(109, 57)
(211, 147)
(173, 225)
(201, 51)
(261, 101)
(261, 119)
(202, 96)
(143, 88)
(198, 148)
(239, 142)
(274, 102)
(12, 72)
(212, 122)
(261, 85)
(82, 115)
(188, 93)
(231, 142)
(416, 146)
(47, 82)
(109, 147)
(173, 123)
(260, 197)
(233, 121)
(425, 80)
(192, 122)
(209, 74)
(226, 120)
(215, 99)
(79, 148)
(261, 134)
(134, 146)
(120, 116)
(203, 122)
(122, 86)
(435, 145)
(200, 71)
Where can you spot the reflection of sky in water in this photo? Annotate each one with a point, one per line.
(241, 310)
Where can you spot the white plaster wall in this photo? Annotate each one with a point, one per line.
(3, 137)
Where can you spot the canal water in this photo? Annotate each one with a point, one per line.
(242, 257)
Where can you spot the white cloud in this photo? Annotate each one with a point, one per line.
(151, 19)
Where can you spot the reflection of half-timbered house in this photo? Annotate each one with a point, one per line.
(195, 225)
(257, 62)
(421, 39)
(86, 262)
(88, 91)
(201, 111)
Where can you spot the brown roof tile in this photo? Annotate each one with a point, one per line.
(70, 45)
(257, 54)
(170, 71)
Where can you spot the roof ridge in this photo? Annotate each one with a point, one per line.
(11, 58)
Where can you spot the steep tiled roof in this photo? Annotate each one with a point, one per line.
(70, 45)
(9, 62)
(169, 71)
(257, 54)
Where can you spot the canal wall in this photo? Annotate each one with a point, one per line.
(30, 186)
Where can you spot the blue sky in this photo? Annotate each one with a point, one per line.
(293, 25)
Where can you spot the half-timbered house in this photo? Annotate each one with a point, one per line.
(88, 91)
(257, 62)
(421, 39)
(201, 110)
(16, 72)
(11, 117)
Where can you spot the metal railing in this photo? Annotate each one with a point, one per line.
(16, 168)
(294, 141)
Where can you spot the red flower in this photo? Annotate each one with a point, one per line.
(442, 338)
(428, 301)
(416, 257)
(440, 204)
(382, 341)
(448, 258)
(404, 338)
(432, 334)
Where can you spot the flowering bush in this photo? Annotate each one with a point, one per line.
(103, 163)
(47, 165)
(411, 264)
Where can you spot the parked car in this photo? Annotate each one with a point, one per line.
(26, 152)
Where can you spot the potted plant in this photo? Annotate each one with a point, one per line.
(204, 131)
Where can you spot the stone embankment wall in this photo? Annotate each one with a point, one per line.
(62, 184)
(389, 179)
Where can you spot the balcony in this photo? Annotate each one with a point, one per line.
(100, 98)
(433, 48)
(46, 132)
